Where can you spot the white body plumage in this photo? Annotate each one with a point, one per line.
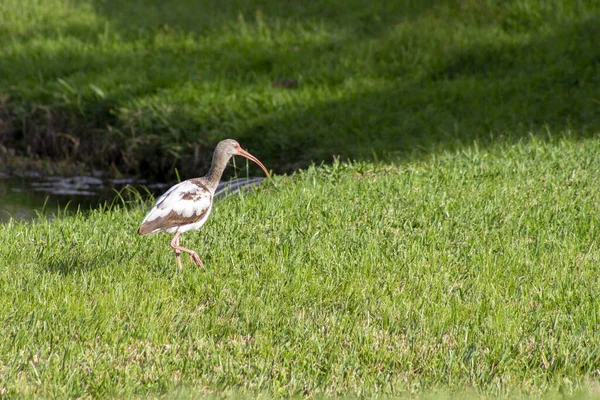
(184, 207)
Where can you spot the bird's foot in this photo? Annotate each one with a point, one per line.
(195, 258)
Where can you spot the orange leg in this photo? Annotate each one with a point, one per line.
(194, 257)
(175, 245)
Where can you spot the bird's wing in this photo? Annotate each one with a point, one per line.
(183, 204)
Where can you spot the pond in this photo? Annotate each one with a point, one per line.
(27, 196)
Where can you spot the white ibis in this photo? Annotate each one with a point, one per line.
(187, 205)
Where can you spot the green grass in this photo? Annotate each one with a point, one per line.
(145, 86)
(477, 270)
(457, 253)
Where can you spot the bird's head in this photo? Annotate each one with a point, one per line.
(231, 147)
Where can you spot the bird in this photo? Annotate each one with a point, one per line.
(186, 206)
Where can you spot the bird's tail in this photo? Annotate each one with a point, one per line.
(144, 230)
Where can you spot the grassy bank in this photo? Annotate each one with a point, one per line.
(143, 86)
(457, 253)
(476, 270)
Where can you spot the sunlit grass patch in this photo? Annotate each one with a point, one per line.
(475, 270)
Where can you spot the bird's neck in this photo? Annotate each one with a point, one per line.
(219, 163)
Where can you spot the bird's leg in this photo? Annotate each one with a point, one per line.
(194, 257)
(175, 246)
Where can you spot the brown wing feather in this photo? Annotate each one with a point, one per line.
(196, 192)
(170, 220)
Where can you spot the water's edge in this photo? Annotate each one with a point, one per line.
(27, 196)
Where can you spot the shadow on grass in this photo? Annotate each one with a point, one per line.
(366, 19)
(549, 85)
(77, 260)
(410, 104)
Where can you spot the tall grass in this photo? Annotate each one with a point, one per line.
(146, 87)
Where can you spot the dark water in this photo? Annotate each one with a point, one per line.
(26, 197)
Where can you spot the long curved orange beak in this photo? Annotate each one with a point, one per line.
(244, 153)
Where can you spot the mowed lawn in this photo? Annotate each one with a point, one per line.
(452, 248)
(474, 271)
